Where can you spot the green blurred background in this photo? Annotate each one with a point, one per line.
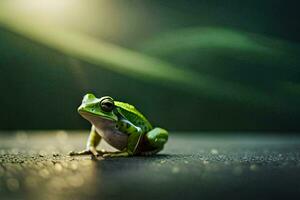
(187, 65)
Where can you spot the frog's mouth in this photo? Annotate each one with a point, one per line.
(91, 116)
(99, 121)
(87, 112)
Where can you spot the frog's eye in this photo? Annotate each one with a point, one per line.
(107, 105)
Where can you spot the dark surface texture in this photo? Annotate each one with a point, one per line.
(198, 166)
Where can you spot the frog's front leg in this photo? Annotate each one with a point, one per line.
(92, 143)
(134, 138)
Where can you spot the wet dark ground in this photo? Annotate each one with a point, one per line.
(35, 165)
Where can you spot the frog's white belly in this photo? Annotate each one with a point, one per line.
(108, 131)
(113, 137)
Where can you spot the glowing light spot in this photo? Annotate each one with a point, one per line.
(75, 181)
(162, 161)
(44, 173)
(74, 166)
(62, 136)
(12, 184)
(21, 137)
(214, 151)
(253, 167)
(175, 170)
(205, 162)
(58, 167)
(31, 182)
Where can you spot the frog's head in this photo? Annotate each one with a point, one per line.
(94, 109)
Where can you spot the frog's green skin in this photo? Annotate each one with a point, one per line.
(122, 126)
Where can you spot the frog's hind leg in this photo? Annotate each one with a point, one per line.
(92, 143)
(156, 138)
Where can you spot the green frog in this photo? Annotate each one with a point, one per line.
(122, 126)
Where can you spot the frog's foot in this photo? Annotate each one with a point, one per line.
(157, 138)
(90, 151)
(116, 154)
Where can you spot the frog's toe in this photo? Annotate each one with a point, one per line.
(92, 152)
(79, 153)
(107, 155)
(115, 154)
(71, 153)
(110, 155)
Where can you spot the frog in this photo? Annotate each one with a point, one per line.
(120, 125)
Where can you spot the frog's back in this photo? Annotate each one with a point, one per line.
(133, 115)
